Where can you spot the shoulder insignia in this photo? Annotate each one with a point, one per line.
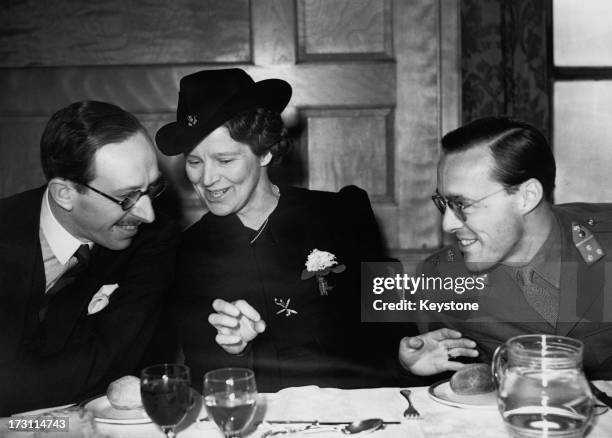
(586, 244)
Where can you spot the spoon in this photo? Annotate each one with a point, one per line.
(369, 425)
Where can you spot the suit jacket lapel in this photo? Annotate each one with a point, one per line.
(22, 278)
(71, 303)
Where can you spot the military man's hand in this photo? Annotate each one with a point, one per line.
(432, 352)
(237, 324)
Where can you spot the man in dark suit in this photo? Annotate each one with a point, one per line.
(84, 261)
(543, 268)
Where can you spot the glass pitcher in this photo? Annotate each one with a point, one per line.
(541, 389)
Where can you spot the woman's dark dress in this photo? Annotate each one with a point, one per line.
(324, 343)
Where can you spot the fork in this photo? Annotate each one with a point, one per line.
(411, 413)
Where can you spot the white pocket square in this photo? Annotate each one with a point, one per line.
(100, 300)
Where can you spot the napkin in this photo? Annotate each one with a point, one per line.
(311, 403)
(101, 298)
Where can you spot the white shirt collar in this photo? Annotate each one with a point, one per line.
(62, 243)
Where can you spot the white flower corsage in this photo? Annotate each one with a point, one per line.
(321, 263)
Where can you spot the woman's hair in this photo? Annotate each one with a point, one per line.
(519, 150)
(262, 130)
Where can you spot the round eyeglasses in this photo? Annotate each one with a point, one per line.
(128, 201)
(458, 206)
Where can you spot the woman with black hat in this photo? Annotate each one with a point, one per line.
(278, 267)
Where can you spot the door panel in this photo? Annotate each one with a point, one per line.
(116, 32)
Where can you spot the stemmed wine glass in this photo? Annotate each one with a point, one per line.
(230, 396)
(166, 394)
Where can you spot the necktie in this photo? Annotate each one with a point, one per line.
(82, 256)
(542, 298)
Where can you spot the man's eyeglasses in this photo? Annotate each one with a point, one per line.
(153, 191)
(458, 206)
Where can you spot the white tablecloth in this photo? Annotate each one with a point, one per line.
(311, 403)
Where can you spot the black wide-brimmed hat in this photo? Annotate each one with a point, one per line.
(209, 98)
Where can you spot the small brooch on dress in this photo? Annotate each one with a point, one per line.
(319, 264)
(192, 120)
(284, 305)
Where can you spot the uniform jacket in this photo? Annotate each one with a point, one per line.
(585, 310)
(73, 354)
(309, 339)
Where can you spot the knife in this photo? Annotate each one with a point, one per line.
(601, 396)
(42, 412)
(322, 423)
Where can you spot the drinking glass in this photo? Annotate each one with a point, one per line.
(166, 394)
(230, 396)
(541, 389)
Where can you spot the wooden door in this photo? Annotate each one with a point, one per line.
(375, 85)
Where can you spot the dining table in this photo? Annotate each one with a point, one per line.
(296, 407)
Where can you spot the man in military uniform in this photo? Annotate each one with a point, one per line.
(544, 267)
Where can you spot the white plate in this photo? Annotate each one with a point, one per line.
(442, 393)
(104, 412)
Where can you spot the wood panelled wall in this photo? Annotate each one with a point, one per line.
(376, 83)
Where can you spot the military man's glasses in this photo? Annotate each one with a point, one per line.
(458, 206)
(128, 201)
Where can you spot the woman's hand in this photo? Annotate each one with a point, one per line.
(237, 324)
(431, 352)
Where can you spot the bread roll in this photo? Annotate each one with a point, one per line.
(124, 393)
(473, 379)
